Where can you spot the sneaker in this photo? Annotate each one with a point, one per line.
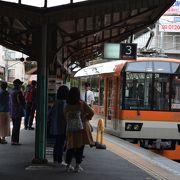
(78, 168)
(69, 168)
(63, 164)
(31, 128)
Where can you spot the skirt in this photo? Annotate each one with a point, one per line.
(4, 124)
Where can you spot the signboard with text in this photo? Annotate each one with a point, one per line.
(169, 24)
(128, 51)
(174, 9)
(123, 51)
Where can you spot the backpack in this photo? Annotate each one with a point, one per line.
(29, 96)
(74, 122)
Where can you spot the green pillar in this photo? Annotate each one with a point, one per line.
(40, 137)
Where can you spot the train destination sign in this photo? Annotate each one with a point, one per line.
(123, 51)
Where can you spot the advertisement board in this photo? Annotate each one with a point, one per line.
(169, 24)
(174, 9)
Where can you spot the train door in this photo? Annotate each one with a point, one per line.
(108, 110)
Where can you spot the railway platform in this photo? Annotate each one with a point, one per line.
(120, 161)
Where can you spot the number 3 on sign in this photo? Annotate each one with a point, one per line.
(128, 50)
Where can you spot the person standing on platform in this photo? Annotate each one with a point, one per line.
(28, 100)
(88, 95)
(34, 103)
(4, 113)
(76, 108)
(16, 105)
(57, 123)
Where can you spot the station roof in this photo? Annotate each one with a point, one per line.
(82, 27)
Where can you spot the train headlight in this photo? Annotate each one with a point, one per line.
(133, 126)
(136, 127)
(129, 127)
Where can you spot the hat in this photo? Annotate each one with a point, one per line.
(17, 82)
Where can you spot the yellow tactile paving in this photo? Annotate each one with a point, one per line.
(153, 169)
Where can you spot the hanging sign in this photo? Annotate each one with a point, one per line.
(120, 51)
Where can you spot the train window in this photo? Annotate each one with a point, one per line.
(175, 94)
(94, 82)
(160, 67)
(101, 93)
(153, 67)
(148, 91)
(137, 90)
(109, 98)
(95, 88)
(175, 68)
(161, 92)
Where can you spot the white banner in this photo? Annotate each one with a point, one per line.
(174, 9)
(169, 24)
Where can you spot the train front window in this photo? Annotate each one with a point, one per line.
(137, 91)
(156, 87)
(175, 97)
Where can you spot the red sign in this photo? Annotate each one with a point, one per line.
(173, 27)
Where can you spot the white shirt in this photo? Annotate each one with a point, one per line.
(90, 97)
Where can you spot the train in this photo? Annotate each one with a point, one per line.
(139, 101)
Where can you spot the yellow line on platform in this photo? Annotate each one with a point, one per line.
(152, 169)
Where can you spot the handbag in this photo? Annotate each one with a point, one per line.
(74, 122)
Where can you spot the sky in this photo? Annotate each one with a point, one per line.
(40, 3)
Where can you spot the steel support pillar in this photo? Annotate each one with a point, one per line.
(42, 73)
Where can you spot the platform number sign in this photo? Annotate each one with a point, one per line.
(128, 51)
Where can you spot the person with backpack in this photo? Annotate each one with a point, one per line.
(77, 114)
(30, 98)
